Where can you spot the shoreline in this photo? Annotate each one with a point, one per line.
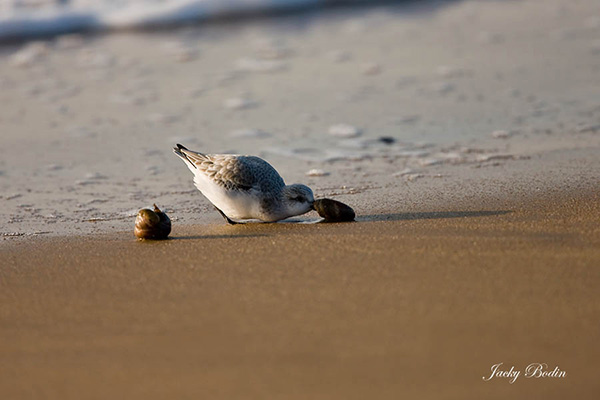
(492, 204)
(552, 176)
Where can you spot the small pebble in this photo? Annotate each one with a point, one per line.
(450, 72)
(85, 182)
(387, 140)
(500, 134)
(371, 69)
(339, 56)
(413, 177)
(404, 172)
(153, 169)
(428, 162)
(344, 131)
(494, 157)
(408, 119)
(95, 176)
(317, 172)
(442, 87)
(589, 128)
(239, 103)
(412, 153)
(197, 92)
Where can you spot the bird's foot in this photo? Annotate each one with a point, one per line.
(229, 220)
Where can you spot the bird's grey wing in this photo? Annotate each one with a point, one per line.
(244, 172)
(232, 171)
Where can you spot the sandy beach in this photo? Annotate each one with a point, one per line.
(465, 135)
(414, 304)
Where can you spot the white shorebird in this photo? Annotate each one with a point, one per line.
(245, 187)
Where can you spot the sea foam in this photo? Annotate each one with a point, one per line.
(23, 18)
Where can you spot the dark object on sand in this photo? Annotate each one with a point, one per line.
(152, 224)
(387, 140)
(334, 211)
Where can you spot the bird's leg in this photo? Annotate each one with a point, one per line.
(229, 221)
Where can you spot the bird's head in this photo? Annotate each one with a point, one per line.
(298, 198)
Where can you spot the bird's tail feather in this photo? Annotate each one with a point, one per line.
(190, 156)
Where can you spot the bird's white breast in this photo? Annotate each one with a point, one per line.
(236, 205)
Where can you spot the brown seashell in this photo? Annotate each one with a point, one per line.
(334, 211)
(152, 224)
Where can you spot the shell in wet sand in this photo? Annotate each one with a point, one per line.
(152, 224)
(334, 211)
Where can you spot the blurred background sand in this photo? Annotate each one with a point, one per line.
(429, 95)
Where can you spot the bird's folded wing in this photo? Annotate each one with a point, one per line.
(235, 172)
(229, 171)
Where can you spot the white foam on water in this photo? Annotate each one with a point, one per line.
(22, 18)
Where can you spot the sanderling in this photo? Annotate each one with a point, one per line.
(245, 187)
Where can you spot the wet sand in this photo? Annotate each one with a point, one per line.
(408, 305)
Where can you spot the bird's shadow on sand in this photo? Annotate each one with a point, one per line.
(430, 215)
(409, 216)
(198, 237)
